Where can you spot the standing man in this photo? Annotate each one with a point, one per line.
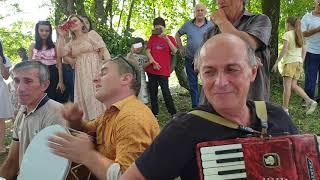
(195, 30)
(231, 17)
(124, 130)
(311, 32)
(31, 79)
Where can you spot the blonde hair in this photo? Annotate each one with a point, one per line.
(296, 24)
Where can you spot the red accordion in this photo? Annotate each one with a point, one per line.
(292, 157)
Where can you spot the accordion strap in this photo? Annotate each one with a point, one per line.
(261, 111)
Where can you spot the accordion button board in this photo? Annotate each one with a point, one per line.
(294, 157)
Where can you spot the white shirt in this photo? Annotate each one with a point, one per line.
(308, 22)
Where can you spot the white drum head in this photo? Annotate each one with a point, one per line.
(39, 162)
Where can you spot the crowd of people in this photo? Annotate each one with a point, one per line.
(76, 83)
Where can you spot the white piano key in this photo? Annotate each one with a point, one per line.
(212, 171)
(225, 177)
(211, 157)
(212, 164)
(212, 149)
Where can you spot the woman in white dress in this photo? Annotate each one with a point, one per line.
(6, 110)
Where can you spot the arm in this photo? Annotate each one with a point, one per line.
(260, 28)
(10, 167)
(303, 52)
(31, 51)
(179, 44)
(133, 173)
(282, 54)
(60, 84)
(173, 48)
(154, 63)
(311, 32)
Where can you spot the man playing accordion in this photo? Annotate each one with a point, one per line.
(227, 65)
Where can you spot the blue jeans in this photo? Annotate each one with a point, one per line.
(311, 70)
(193, 81)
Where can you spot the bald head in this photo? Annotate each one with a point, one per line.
(229, 43)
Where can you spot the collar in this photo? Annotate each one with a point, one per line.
(120, 104)
(194, 20)
(42, 102)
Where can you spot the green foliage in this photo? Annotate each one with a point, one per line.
(116, 43)
(13, 38)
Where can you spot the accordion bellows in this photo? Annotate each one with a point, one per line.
(294, 157)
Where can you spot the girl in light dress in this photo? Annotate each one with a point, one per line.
(88, 50)
(290, 63)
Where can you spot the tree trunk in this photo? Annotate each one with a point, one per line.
(99, 11)
(109, 12)
(120, 16)
(129, 15)
(272, 9)
(80, 7)
(177, 65)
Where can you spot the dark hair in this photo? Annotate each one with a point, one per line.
(296, 23)
(137, 40)
(90, 24)
(49, 41)
(159, 21)
(1, 54)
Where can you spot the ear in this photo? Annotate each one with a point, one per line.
(253, 72)
(44, 86)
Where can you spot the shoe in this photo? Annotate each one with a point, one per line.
(311, 106)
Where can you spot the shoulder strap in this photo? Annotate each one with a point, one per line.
(261, 111)
(262, 114)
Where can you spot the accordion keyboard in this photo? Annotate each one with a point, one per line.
(225, 162)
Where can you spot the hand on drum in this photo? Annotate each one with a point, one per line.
(76, 147)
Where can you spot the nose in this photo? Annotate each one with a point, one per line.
(96, 78)
(20, 87)
(221, 80)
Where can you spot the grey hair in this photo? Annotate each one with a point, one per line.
(129, 66)
(43, 70)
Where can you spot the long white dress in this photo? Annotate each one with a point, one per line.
(6, 110)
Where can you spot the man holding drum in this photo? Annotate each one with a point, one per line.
(31, 79)
(123, 132)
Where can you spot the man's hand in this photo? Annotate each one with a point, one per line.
(219, 17)
(275, 68)
(75, 148)
(72, 112)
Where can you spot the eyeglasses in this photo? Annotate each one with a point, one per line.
(135, 72)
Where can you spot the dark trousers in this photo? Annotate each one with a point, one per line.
(193, 82)
(68, 77)
(54, 79)
(311, 70)
(154, 82)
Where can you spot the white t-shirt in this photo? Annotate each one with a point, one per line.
(308, 22)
